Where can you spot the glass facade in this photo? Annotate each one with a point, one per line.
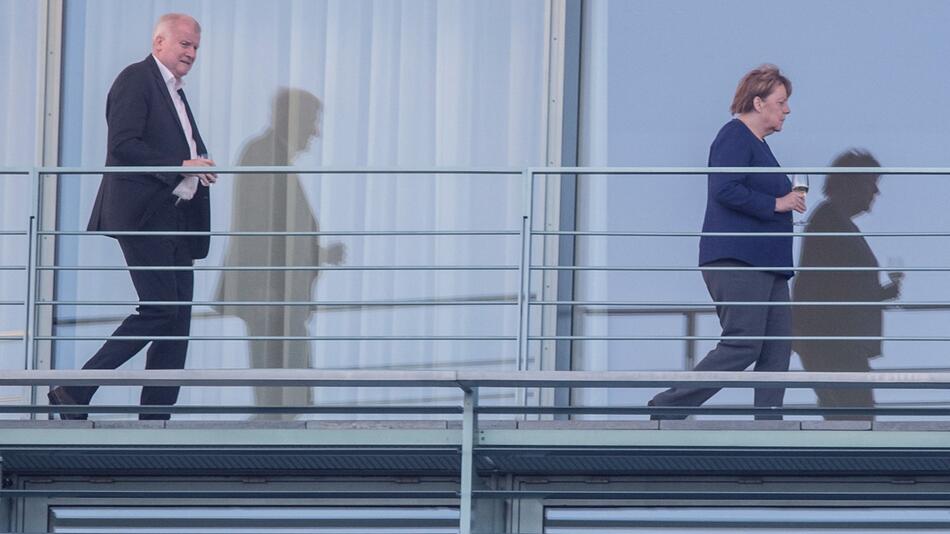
(657, 86)
(381, 274)
(18, 105)
(328, 85)
(458, 84)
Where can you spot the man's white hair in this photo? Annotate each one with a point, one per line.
(168, 20)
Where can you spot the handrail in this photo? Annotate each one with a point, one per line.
(467, 383)
(276, 169)
(739, 170)
(524, 300)
(587, 233)
(473, 379)
(395, 171)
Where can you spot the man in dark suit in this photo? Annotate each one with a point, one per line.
(150, 124)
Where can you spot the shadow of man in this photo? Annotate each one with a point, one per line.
(848, 195)
(275, 202)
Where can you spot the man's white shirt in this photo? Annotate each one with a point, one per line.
(187, 188)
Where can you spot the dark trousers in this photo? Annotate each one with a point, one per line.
(737, 355)
(151, 320)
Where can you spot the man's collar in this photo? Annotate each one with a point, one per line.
(167, 75)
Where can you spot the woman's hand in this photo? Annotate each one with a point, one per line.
(792, 201)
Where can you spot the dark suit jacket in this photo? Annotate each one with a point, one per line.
(144, 130)
(745, 203)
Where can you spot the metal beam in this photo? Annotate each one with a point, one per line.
(474, 379)
(467, 475)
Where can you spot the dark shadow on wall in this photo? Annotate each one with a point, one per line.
(847, 196)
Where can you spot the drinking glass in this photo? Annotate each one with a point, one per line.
(800, 183)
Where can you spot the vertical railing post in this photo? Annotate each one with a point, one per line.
(524, 291)
(467, 478)
(32, 238)
(691, 342)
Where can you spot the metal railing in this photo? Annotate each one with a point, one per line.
(5, 268)
(527, 268)
(468, 384)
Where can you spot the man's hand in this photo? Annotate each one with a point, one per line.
(792, 201)
(207, 178)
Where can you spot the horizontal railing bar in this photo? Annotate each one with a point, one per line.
(637, 379)
(712, 410)
(13, 232)
(492, 170)
(736, 338)
(464, 268)
(276, 169)
(12, 267)
(713, 495)
(283, 268)
(210, 409)
(738, 170)
(485, 410)
(11, 303)
(279, 338)
(490, 338)
(942, 409)
(477, 233)
(226, 494)
(288, 234)
(732, 268)
(354, 303)
(704, 306)
(472, 379)
(231, 378)
(387, 233)
(582, 233)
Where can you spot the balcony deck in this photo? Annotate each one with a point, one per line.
(434, 447)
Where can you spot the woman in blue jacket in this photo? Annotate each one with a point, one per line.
(748, 203)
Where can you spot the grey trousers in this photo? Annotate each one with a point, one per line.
(737, 355)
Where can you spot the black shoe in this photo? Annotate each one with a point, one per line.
(58, 397)
(662, 417)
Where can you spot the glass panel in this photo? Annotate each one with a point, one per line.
(18, 100)
(863, 77)
(328, 84)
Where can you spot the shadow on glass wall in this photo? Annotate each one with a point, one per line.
(847, 196)
(276, 202)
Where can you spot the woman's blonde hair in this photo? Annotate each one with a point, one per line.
(758, 82)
